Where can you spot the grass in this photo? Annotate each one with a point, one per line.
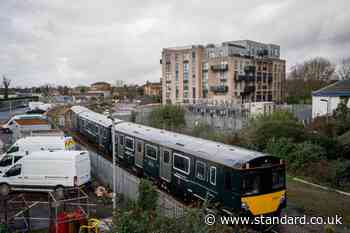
(317, 202)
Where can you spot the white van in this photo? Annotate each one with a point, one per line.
(46, 171)
(26, 145)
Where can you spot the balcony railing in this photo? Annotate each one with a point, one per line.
(247, 78)
(219, 89)
(219, 67)
(249, 89)
(250, 69)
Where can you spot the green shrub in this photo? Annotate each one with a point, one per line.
(148, 195)
(263, 128)
(170, 117)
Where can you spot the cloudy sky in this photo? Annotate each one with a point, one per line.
(82, 41)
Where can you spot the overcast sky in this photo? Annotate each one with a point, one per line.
(82, 41)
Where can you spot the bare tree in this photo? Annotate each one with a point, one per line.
(343, 71)
(6, 84)
(309, 76)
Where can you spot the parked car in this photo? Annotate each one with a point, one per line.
(47, 171)
(25, 146)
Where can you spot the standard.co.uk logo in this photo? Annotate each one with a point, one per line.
(210, 219)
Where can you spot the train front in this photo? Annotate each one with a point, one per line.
(263, 186)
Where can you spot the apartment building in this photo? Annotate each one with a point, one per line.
(232, 72)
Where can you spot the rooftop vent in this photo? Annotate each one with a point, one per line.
(180, 144)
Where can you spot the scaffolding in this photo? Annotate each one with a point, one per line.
(68, 208)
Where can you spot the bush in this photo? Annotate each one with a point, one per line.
(333, 149)
(144, 217)
(148, 195)
(297, 155)
(264, 127)
(170, 117)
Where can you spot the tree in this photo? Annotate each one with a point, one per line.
(308, 76)
(342, 117)
(6, 84)
(343, 71)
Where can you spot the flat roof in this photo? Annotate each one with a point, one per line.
(43, 140)
(31, 122)
(337, 89)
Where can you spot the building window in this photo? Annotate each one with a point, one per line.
(200, 170)
(213, 175)
(186, 70)
(177, 71)
(181, 163)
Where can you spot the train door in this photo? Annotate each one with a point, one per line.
(139, 153)
(120, 146)
(165, 164)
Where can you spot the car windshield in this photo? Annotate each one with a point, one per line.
(6, 161)
(13, 149)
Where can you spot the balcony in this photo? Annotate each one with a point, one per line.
(247, 78)
(248, 89)
(250, 69)
(219, 89)
(219, 67)
(269, 78)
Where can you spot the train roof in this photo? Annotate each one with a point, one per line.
(220, 153)
(79, 109)
(93, 116)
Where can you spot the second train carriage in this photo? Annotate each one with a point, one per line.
(236, 179)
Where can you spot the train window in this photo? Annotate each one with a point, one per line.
(166, 156)
(151, 152)
(213, 175)
(251, 184)
(200, 170)
(277, 179)
(121, 140)
(181, 163)
(129, 143)
(139, 147)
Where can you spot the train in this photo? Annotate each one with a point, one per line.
(233, 179)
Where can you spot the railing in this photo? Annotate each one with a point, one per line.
(248, 78)
(219, 67)
(249, 69)
(220, 88)
(249, 89)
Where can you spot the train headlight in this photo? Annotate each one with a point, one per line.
(244, 206)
